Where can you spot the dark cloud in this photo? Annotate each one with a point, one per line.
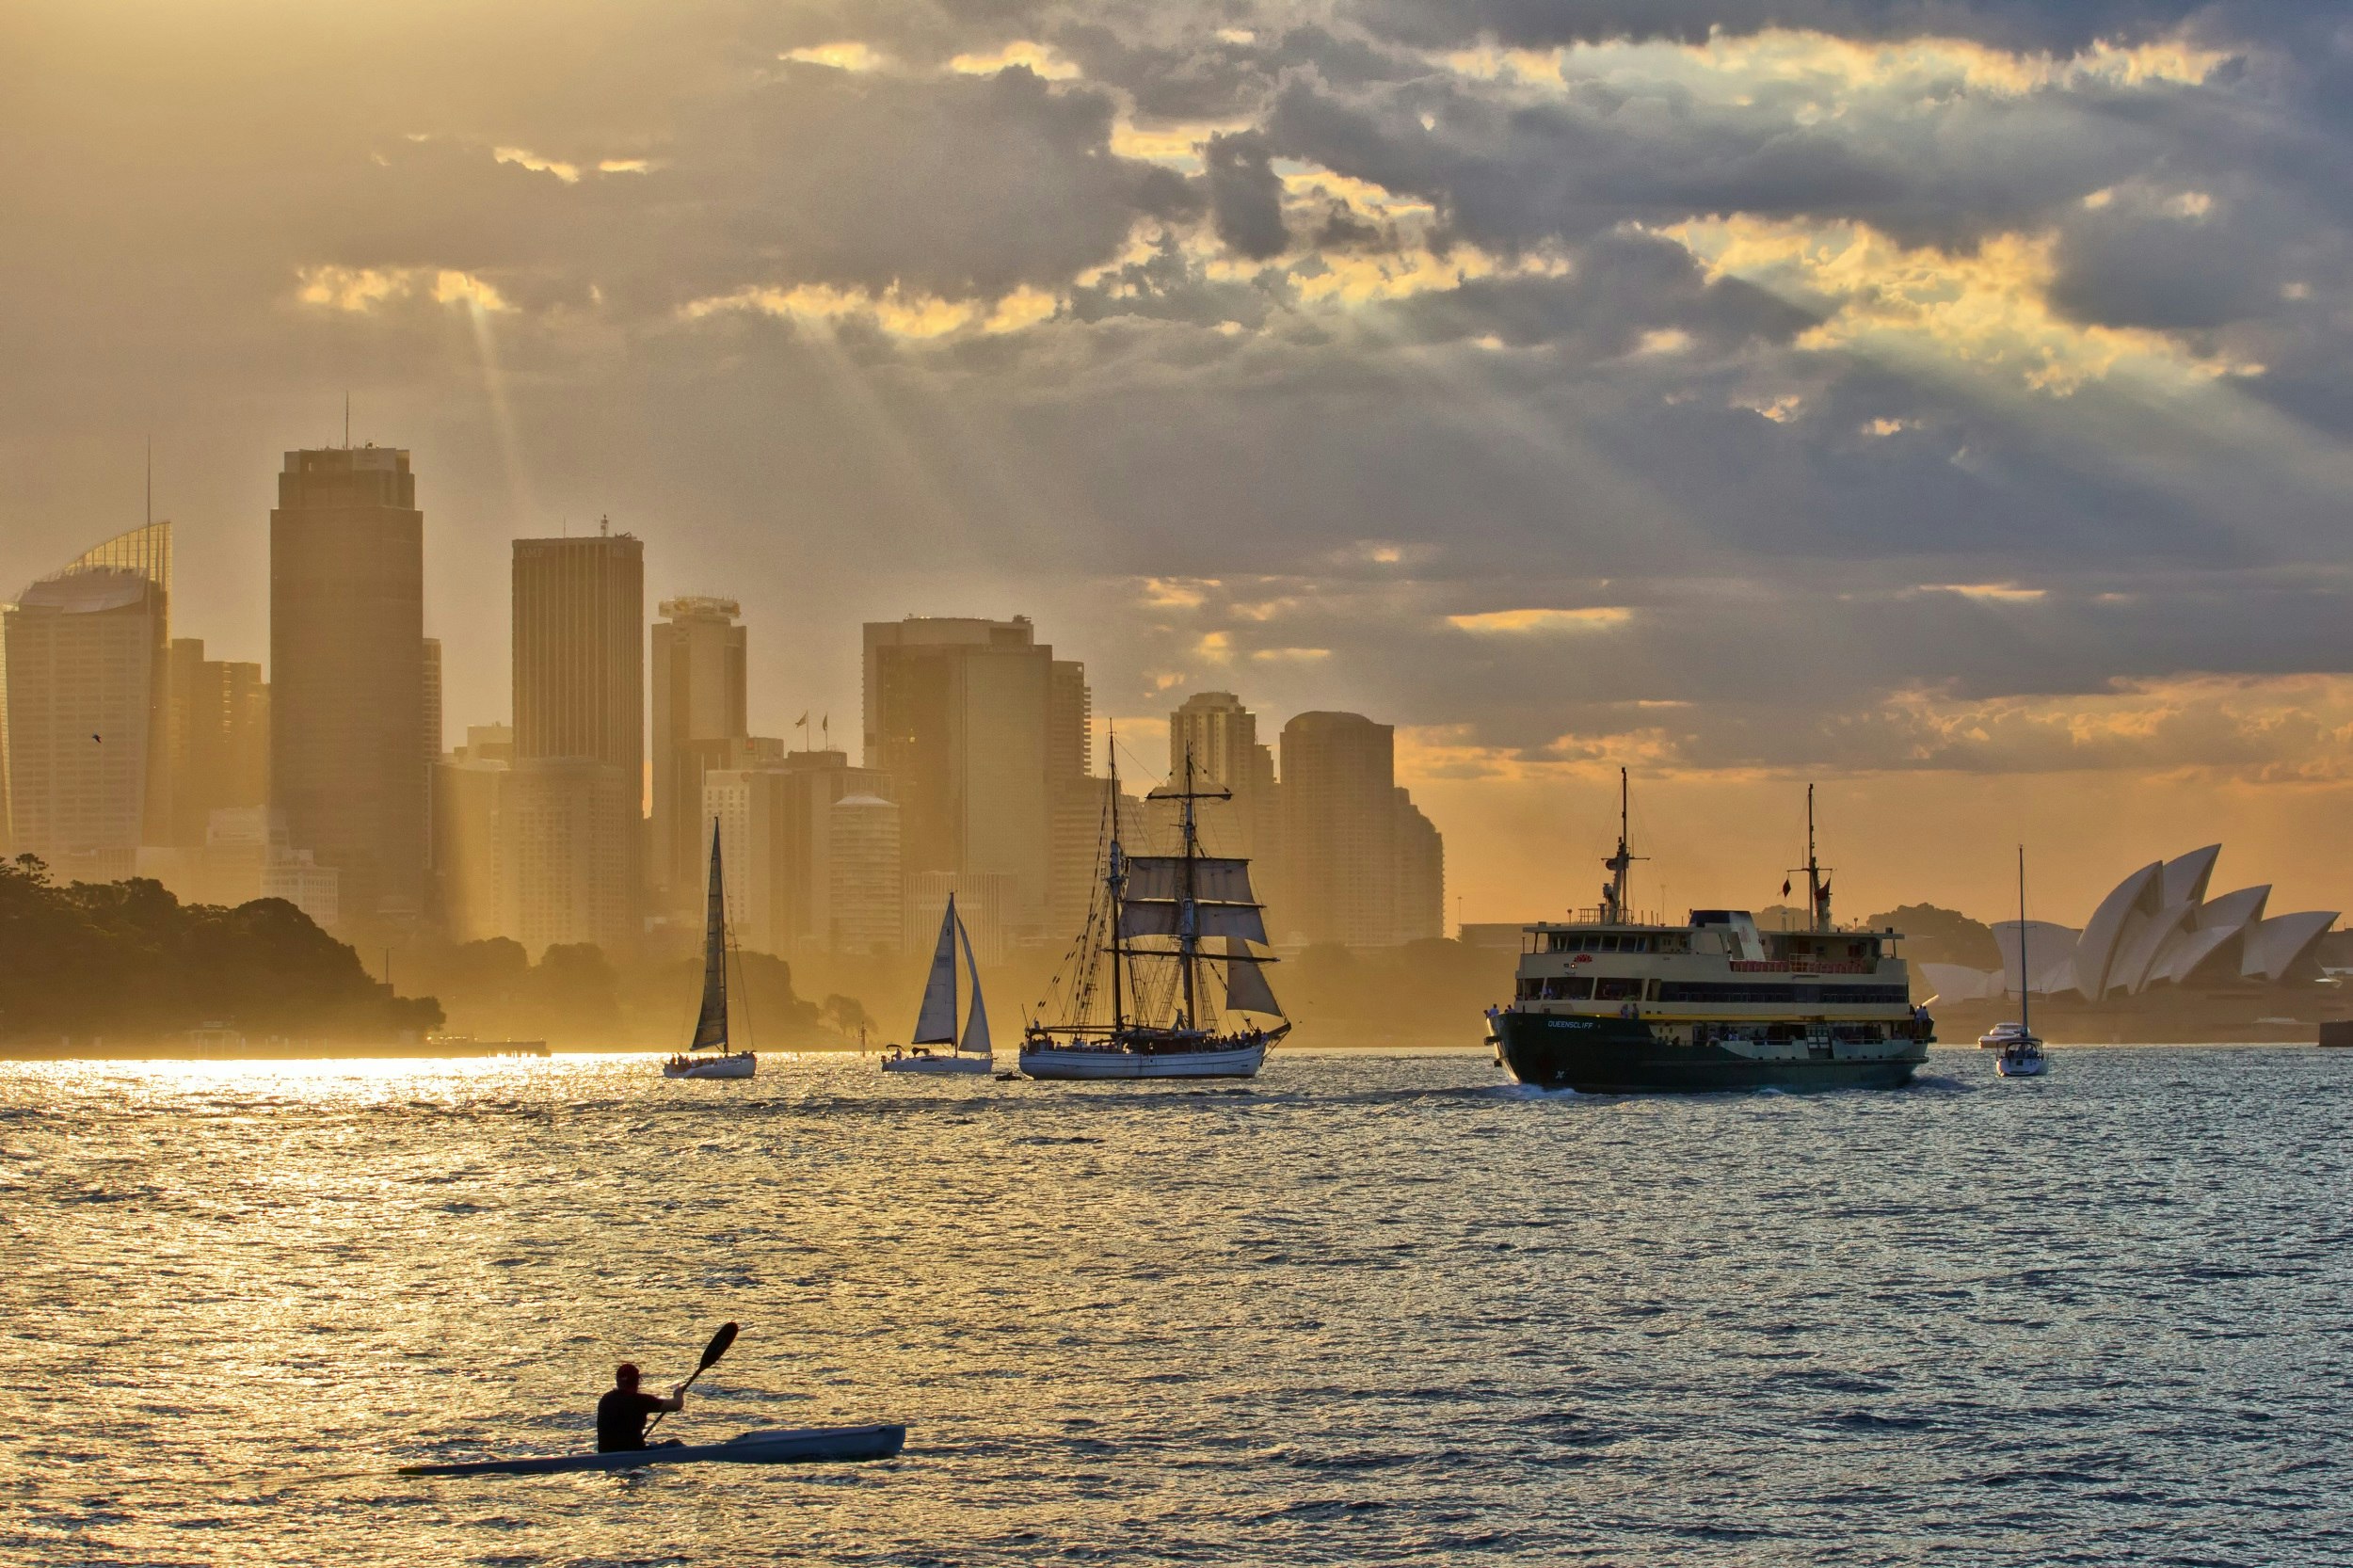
(1245, 197)
(1520, 393)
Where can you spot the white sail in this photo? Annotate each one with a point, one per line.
(1159, 918)
(976, 1023)
(936, 1024)
(1213, 879)
(710, 1024)
(1246, 990)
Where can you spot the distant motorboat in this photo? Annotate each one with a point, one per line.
(936, 1020)
(710, 1024)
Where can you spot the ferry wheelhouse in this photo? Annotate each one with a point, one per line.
(1609, 1002)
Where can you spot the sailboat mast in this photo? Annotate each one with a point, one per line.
(1188, 912)
(1114, 875)
(2026, 1003)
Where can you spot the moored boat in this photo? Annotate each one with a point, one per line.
(711, 1022)
(1607, 1002)
(1167, 974)
(936, 1020)
(782, 1445)
(2021, 1052)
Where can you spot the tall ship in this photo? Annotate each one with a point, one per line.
(1166, 979)
(1606, 1002)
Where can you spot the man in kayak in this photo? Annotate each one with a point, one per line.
(621, 1413)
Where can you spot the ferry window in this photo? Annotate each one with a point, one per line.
(1531, 990)
(1616, 988)
(1608, 944)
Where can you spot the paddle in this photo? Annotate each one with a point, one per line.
(711, 1353)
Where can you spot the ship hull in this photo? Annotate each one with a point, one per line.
(1112, 1063)
(1623, 1056)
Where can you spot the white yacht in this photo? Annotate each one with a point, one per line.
(711, 1023)
(2021, 1052)
(936, 1021)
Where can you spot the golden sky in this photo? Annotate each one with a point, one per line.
(1747, 393)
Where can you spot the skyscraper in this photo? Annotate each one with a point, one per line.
(85, 685)
(965, 716)
(1420, 873)
(217, 720)
(346, 636)
(1222, 736)
(775, 818)
(580, 745)
(1339, 832)
(699, 705)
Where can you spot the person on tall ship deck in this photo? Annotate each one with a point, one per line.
(621, 1413)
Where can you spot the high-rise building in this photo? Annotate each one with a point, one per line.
(865, 900)
(217, 718)
(1420, 873)
(431, 699)
(1339, 832)
(578, 785)
(1221, 737)
(776, 821)
(700, 689)
(1085, 818)
(347, 734)
(85, 664)
(977, 729)
(473, 843)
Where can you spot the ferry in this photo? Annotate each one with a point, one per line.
(1606, 1002)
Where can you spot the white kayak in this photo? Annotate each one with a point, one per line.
(782, 1445)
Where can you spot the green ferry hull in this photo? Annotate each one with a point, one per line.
(1623, 1056)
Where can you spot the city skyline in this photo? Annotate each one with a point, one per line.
(1697, 820)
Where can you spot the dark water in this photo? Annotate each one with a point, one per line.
(1371, 1309)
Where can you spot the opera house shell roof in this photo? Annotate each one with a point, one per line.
(2158, 928)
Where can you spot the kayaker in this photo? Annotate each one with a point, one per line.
(621, 1413)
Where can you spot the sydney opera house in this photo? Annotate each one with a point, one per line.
(2157, 937)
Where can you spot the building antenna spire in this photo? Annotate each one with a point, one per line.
(346, 419)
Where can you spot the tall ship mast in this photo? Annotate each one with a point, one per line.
(1167, 979)
(1609, 1001)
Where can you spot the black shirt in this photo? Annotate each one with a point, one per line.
(622, 1418)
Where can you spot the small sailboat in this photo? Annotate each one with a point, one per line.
(1150, 932)
(710, 1024)
(2021, 1052)
(936, 1021)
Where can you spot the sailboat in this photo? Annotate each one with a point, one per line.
(2022, 1054)
(1162, 929)
(936, 1021)
(710, 1024)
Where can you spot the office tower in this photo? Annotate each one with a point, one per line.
(473, 846)
(430, 699)
(217, 717)
(347, 741)
(1339, 832)
(776, 821)
(1222, 736)
(864, 893)
(1420, 873)
(964, 716)
(86, 663)
(699, 701)
(579, 776)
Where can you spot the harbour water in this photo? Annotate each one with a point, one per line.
(1367, 1310)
